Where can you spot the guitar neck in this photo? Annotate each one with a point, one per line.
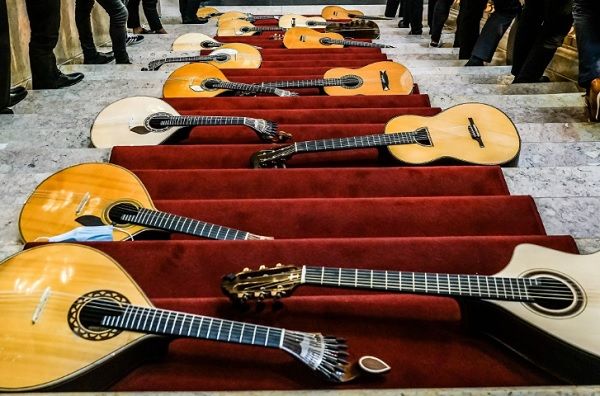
(171, 323)
(183, 121)
(477, 286)
(254, 88)
(354, 43)
(174, 223)
(262, 29)
(206, 58)
(378, 140)
(323, 82)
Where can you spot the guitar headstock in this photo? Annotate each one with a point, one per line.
(155, 64)
(275, 282)
(271, 158)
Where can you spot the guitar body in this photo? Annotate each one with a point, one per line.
(302, 37)
(122, 123)
(48, 353)
(357, 29)
(336, 12)
(241, 56)
(564, 342)
(187, 82)
(234, 27)
(397, 80)
(451, 138)
(90, 189)
(207, 12)
(231, 15)
(193, 42)
(295, 20)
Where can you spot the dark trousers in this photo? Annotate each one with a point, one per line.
(414, 13)
(4, 57)
(542, 28)
(391, 7)
(587, 19)
(117, 11)
(188, 9)
(498, 22)
(150, 10)
(440, 15)
(44, 18)
(467, 29)
(430, 8)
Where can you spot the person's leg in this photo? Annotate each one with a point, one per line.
(528, 28)
(191, 8)
(133, 11)
(151, 12)
(403, 14)
(586, 14)
(4, 57)
(440, 15)
(471, 12)
(44, 18)
(430, 9)
(391, 7)
(83, 11)
(415, 16)
(117, 12)
(557, 20)
(504, 13)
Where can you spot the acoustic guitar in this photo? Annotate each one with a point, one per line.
(227, 56)
(379, 78)
(195, 42)
(143, 121)
(301, 37)
(233, 15)
(295, 20)
(238, 27)
(544, 304)
(337, 12)
(96, 194)
(359, 29)
(73, 319)
(472, 132)
(208, 12)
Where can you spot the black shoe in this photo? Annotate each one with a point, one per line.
(17, 89)
(66, 80)
(474, 61)
(416, 32)
(17, 97)
(403, 24)
(6, 111)
(544, 79)
(195, 21)
(98, 59)
(126, 61)
(133, 39)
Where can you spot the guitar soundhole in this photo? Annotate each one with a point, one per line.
(352, 82)
(86, 313)
(119, 212)
(555, 295)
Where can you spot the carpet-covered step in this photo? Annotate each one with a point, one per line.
(332, 62)
(365, 217)
(322, 183)
(187, 263)
(397, 329)
(305, 102)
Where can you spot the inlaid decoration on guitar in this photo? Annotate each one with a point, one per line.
(304, 37)
(72, 318)
(379, 78)
(227, 56)
(543, 304)
(474, 133)
(96, 194)
(337, 12)
(143, 121)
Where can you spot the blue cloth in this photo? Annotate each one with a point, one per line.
(587, 17)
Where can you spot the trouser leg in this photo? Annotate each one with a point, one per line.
(151, 12)
(504, 13)
(471, 12)
(133, 11)
(415, 15)
(530, 23)
(587, 14)
(430, 10)
(440, 15)
(4, 57)
(83, 11)
(44, 18)
(117, 11)
(391, 7)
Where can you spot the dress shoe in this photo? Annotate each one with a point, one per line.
(17, 97)
(474, 61)
(66, 80)
(593, 100)
(403, 24)
(6, 111)
(17, 89)
(126, 61)
(98, 59)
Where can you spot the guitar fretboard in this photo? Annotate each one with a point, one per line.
(353, 43)
(260, 28)
(245, 87)
(171, 222)
(322, 82)
(480, 286)
(384, 139)
(202, 120)
(164, 322)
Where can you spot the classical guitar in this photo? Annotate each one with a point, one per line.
(379, 78)
(204, 80)
(359, 29)
(238, 27)
(236, 15)
(143, 121)
(227, 56)
(543, 304)
(473, 132)
(73, 319)
(337, 12)
(194, 42)
(95, 194)
(294, 20)
(302, 37)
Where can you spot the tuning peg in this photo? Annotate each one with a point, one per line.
(229, 277)
(262, 267)
(246, 269)
(242, 297)
(259, 296)
(278, 265)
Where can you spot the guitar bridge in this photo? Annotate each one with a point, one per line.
(385, 81)
(475, 134)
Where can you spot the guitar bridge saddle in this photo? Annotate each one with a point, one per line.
(475, 134)
(384, 80)
(40, 307)
(84, 201)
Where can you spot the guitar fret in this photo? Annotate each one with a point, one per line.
(166, 322)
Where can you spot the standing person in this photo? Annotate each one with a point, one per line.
(414, 16)
(8, 97)
(44, 19)
(440, 15)
(542, 29)
(188, 10)
(497, 23)
(467, 26)
(586, 14)
(150, 11)
(391, 7)
(430, 10)
(118, 31)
